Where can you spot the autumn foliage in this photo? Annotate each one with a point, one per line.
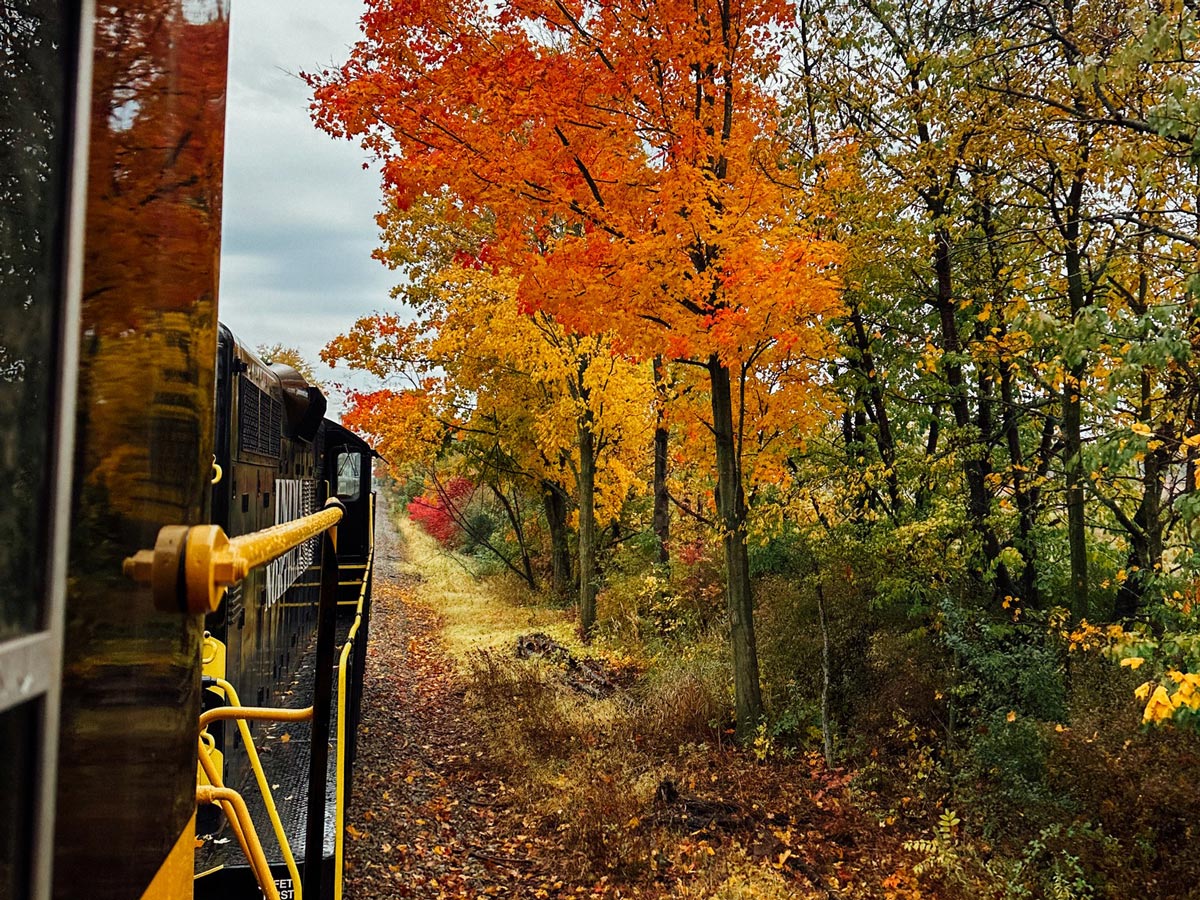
(627, 164)
(439, 511)
(895, 311)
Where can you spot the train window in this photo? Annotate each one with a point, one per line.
(38, 319)
(34, 84)
(349, 475)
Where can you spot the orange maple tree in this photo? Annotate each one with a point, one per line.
(627, 158)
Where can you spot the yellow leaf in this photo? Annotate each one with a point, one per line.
(1012, 716)
(1132, 662)
(1160, 707)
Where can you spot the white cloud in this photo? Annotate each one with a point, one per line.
(298, 220)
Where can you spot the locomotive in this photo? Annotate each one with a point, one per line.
(276, 457)
(187, 547)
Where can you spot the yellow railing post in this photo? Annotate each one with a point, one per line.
(340, 784)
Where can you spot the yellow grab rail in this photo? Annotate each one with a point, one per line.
(235, 807)
(240, 714)
(254, 713)
(211, 561)
(339, 839)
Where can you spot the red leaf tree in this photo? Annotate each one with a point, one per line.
(627, 157)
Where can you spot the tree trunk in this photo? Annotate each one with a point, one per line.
(731, 509)
(876, 409)
(976, 461)
(514, 519)
(662, 501)
(1026, 505)
(1072, 418)
(826, 675)
(586, 483)
(554, 502)
(1146, 535)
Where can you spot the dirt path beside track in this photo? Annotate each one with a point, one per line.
(423, 821)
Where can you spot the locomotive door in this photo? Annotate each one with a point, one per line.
(39, 302)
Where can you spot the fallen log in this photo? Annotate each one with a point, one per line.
(588, 676)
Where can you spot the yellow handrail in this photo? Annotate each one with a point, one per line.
(261, 547)
(212, 561)
(240, 714)
(231, 800)
(343, 662)
(254, 713)
(214, 778)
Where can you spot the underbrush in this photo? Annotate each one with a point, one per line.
(478, 611)
(590, 768)
(981, 758)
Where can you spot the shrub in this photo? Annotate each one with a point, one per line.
(435, 511)
(597, 810)
(480, 528)
(683, 698)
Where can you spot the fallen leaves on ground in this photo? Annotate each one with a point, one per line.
(430, 816)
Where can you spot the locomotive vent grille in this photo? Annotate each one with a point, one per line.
(260, 420)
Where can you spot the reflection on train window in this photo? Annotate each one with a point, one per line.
(349, 475)
(33, 106)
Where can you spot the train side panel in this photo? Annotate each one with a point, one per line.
(143, 454)
(268, 476)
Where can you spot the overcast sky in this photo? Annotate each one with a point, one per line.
(299, 209)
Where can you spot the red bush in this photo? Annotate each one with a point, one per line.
(433, 510)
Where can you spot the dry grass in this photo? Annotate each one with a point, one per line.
(475, 618)
(585, 771)
(731, 874)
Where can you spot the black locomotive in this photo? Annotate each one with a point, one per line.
(276, 460)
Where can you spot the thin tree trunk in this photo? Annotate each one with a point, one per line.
(876, 409)
(514, 519)
(826, 675)
(1024, 499)
(976, 462)
(662, 500)
(1146, 537)
(587, 527)
(1072, 419)
(554, 502)
(731, 509)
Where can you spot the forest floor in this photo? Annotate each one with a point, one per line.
(440, 809)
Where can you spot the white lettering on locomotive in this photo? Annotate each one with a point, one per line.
(294, 498)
